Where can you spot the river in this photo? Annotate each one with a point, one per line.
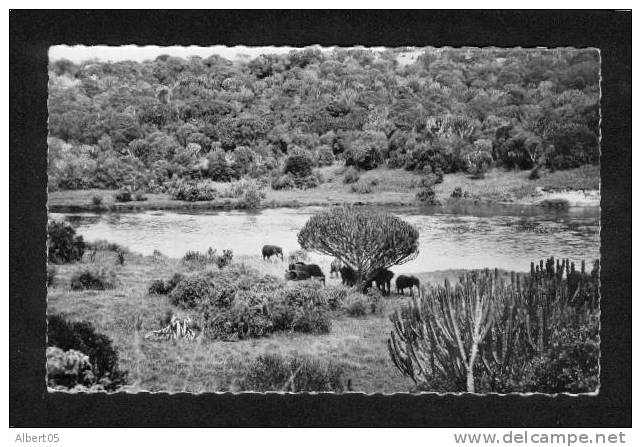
(453, 237)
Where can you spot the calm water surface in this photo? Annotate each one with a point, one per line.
(506, 237)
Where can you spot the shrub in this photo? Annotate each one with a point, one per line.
(298, 166)
(81, 336)
(356, 305)
(458, 193)
(335, 296)
(375, 301)
(123, 196)
(325, 156)
(240, 321)
(362, 187)
(534, 174)
(51, 275)
(93, 278)
(195, 257)
(286, 181)
(191, 291)
(427, 196)
(539, 333)
(273, 372)
(63, 244)
(192, 191)
(363, 157)
(68, 369)
(140, 196)
(252, 197)
(571, 362)
(160, 287)
(96, 200)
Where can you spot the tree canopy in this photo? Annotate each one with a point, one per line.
(365, 240)
(525, 102)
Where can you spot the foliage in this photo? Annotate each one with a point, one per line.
(68, 369)
(160, 287)
(365, 240)
(298, 166)
(192, 191)
(96, 200)
(356, 305)
(350, 175)
(123, 196)
(93, 278)
(273, 372)
(458, 193)
(124, 124)
(62, 243)
(191, 291)
(363, 187)
(82, 336)
(427, 196)
(537, 333)
(252, 196)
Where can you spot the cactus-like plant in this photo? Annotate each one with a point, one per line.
(367, 241)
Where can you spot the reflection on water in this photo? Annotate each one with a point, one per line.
(461, 236)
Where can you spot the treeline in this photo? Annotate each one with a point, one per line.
(138, 125)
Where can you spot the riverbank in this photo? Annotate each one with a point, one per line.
(393, 187)
(128, 311)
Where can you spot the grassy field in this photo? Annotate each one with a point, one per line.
(388, 187)
(127, 312)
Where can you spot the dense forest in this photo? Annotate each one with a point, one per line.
(143, 125)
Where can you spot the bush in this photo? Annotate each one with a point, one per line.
(252, 197)
(298, 166)
(82, 337)
(363, 187)
(140, 196)
(93, 278)
(335, 296)
(192, 191)
(191, 291)
(240, 321)
(534, 174)
(192, 257)
(123, 196)
(196, 259)
(356, 305)
(427, 196)
(458, 193)
(68, 369)
(160, 287)
(96, 200)
(325, 156)
(63, 244)
(51, 275)
(538, 333)
(571, 362)
(272, 372)
(288, 181)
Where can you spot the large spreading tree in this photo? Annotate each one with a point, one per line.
(365, 240)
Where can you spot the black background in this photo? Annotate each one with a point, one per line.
(31, 33)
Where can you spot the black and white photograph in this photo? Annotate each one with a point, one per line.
(323, 219)
(320, 218)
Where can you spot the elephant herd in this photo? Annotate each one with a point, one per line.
(298, 271)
